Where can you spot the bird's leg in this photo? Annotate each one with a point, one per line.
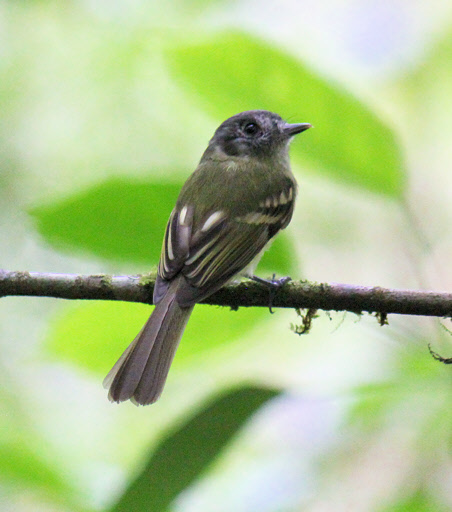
(273, 286)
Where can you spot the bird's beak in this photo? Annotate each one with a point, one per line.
(293, 129)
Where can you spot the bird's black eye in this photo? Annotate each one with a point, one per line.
(251, 128)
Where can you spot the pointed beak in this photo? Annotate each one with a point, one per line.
(292, 129)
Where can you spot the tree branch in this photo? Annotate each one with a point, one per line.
(294, 294)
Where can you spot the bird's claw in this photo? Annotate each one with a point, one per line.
(273, 286)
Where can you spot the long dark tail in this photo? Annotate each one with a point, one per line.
(140, 373)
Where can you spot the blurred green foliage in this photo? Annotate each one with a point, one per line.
(22, 464)
(93, 96)
(200, 440)
(420, 501)
(122, 220)
(93, 335)
(26, 463)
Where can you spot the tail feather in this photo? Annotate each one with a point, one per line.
(141, 371)
(158, 364)
(108, 381)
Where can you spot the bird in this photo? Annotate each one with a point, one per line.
(241, 194)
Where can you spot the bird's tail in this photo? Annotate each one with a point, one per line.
(140, 373)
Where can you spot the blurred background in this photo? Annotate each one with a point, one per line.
(105, 109)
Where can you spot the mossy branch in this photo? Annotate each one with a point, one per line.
(294, 294)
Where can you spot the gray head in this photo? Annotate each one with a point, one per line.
(254, 133)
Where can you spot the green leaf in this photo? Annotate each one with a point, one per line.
(187, 452)
(349, 143)
(118, 219)
(93, 335)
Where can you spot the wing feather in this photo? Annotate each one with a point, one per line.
(214, 248)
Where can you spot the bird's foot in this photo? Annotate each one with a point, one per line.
(273, 286)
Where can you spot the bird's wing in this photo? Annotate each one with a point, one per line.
(212, 252)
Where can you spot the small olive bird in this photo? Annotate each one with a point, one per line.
(240, 195)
